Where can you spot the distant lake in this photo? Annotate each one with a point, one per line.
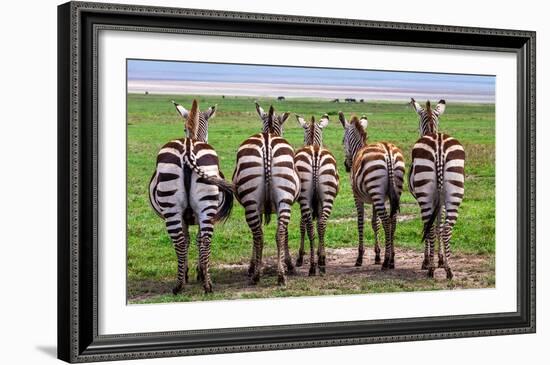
(192, 78)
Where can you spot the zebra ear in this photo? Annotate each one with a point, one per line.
(364, 122)
(283, 117)
(440, 107)
(324, 121)
(211, 112)
(181, 110)
(342, 119)
(416, 106)
(260, 110)
(302, 121)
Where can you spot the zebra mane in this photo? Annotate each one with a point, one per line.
(430, 124)
(359, 128)
(311, 130)
(270, 120)
(192, 122)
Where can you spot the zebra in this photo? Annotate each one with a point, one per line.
(265, 181)
(436, 180)
(377, 171)
(186, 188)
(316, 167)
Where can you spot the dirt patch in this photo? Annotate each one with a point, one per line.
(400, 218)
(342, 277)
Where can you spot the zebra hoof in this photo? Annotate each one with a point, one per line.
(312, 271)
(425, 265)
(377, 261)
(299, 261)
(281, 280)
(177, 289)
(290, 270)
(449, 274)
(251, 269)
(440, 263)
(254, 279)
(431, 271)
(322, 271)
(208, 289)
(359, 262)
(200, 275)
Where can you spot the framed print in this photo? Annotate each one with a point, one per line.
(242, 182)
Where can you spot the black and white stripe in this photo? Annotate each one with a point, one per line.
(428, 118)
(377, 172)
(266, 182)
(316, 168)
(186, 189)
(436, 180)
(199, 127)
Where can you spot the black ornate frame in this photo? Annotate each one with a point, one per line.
(78, 24)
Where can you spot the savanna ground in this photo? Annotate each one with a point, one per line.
(153, 121)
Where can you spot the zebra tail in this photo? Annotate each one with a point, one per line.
(226, 188)
(224, 211)
(436, 203)
(428, 225)
(152, 194)
(315, 197)
(394, 198)
(267, 171)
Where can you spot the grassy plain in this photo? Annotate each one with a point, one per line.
(152, 121)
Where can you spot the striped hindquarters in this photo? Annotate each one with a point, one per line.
(377, 173)
(436, 178)
(264, 175)
(166, 191)
(319, 179)
(187, 182)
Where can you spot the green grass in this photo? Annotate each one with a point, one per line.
(152, 121)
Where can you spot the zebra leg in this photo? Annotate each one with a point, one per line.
(426, 262)
(257, 249)
(386, 223)
(321, 227)
(446, 237)
(375, 221)
(282, 231)
(301, 252)
(253, 219)
(179, 233)
(204, 260)
(360, 225)
(431, 240)
(440, 261)
(393, 223)
(311, 235)
(200, 273)
(288, 259)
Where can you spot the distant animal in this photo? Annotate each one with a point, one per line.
(377, 171)
(281, 98)
(188, 188)
(336, 100)
(319, 180)
(436, 180)
(362, 100)
(350, 100)
(266, 182)
(146, 92)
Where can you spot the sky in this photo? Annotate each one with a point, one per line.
(175, 77)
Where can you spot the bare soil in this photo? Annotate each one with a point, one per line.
(342, 277)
